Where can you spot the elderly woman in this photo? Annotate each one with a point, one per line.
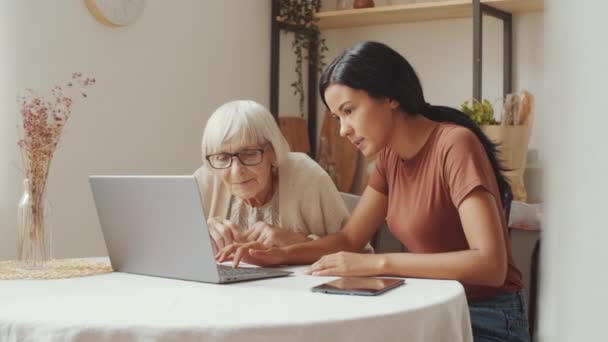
(255, 190)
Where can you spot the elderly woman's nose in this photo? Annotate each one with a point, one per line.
(236, 165)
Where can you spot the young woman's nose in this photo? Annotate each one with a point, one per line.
(345, 129)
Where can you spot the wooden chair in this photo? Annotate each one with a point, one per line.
(338, 151)
(533, 306)
(295, 130)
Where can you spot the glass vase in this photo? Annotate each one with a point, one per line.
(34, 232)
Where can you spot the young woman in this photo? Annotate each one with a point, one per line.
(437, 182)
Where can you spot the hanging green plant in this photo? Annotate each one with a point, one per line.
(298, 17)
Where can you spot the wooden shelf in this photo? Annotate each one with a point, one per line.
(449, 9)
(516, 6)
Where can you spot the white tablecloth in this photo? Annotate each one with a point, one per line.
(123, 307)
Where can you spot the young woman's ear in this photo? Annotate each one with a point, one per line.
(394, 104)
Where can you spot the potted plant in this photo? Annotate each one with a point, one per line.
(480, 112)
(298, 16)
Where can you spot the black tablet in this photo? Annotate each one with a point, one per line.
(362, 286)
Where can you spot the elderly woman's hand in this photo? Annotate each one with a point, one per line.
(253, 253)
(273, 236)
(223, 233)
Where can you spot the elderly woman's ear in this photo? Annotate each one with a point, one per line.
(273, 159)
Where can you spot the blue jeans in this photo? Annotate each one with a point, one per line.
(502, 318)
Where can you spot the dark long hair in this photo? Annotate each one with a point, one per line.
(383, 72)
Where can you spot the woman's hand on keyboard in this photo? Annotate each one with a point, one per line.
(223, 233)
(248, 252)
(273, 236)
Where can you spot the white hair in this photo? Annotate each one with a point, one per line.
(240, 123)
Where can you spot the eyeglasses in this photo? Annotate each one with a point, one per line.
(247, 157)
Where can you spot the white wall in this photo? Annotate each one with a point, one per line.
(574, 279)
(441, 53)
(157, 82)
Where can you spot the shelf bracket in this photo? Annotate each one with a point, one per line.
(479, 10)
(275, 47)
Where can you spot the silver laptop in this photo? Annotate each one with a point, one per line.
(154, 225)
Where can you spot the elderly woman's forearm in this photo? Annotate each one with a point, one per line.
(309, 252)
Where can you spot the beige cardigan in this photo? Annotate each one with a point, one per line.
(309, 202)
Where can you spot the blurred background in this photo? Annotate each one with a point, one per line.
(159, 79)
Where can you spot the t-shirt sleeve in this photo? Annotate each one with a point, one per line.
(378, 179)
(467, 166)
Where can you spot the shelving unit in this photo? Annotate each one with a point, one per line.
(440, 10)
(397, 14)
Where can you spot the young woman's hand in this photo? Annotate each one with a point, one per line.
(252, 252)
(273, 236)
(223, 233)
(347, 264)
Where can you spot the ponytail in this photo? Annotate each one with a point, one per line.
(451, 115)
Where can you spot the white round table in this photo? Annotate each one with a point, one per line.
(124, 307)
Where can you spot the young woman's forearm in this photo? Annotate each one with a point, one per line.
(471, 267)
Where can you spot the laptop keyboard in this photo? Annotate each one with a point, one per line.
(229, 271)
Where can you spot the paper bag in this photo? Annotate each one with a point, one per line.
(512, 153)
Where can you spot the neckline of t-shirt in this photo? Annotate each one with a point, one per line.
(423, 149)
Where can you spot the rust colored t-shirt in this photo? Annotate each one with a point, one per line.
(424, 194)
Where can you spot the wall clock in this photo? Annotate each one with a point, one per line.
(116, 12)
